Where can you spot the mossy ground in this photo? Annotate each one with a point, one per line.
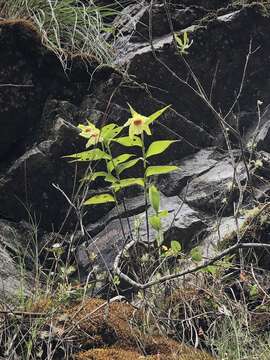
(112, 335)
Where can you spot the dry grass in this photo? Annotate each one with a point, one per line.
(67, 27)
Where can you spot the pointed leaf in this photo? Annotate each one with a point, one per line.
(185, 37)
(94, 176)
(154, 197)
(128, 182)
(99, 199)
(157, 170)
(179, 41)
(127, 165)
(118, 160)
(90, 155)
(108, 132)
(157, 114)
(155, 222)
(110, 178)
(127, 141)
(163, 213)
(157, 147)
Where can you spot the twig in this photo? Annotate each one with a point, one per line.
(170, 277)
(15, 85)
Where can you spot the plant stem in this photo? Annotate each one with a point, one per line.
(115, 198)
(124, 202)
(145, 190)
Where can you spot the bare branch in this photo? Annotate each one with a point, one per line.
(170, 277)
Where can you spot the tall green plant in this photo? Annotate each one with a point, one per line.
(99, 148)
(100, 141)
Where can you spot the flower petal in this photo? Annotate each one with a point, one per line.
(147, 130)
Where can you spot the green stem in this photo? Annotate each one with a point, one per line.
(115, 198)
(124, 202)
(145, 182)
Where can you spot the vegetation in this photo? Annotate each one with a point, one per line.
(224, 309)
(67, 27)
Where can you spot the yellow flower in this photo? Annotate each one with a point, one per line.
(90, 132)
(137, 124)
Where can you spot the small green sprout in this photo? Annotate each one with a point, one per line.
(183, 44)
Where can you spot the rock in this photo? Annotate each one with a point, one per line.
(29, 75)
(100, 252)
(213, 189)
(15, 260)
(263, 138)
(182, 224)
(133, 206)
(222, 33)
(189, 167)
(217, 233)
(259, 136)
(21, 185)
(28, 183)
(133, 22)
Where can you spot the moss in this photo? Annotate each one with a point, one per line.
(112, 354)
(111, 335)
(110, 322)
(163, 352)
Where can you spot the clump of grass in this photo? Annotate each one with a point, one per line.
(236, 340)
(67, 27)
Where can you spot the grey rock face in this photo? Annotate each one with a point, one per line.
(182, 224)
(210, 191)
(189, 167)
(14, 275)
(217, 233)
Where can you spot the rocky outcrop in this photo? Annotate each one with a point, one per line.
(15, 276)
(182, 223)
(41, 105)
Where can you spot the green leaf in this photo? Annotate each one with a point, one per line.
(94, 176)
(116, 280)
(157, 114)
(108, 132)
(211, 269)
(178, 40)
(253, 291)
(185, 38)
(163, 213)
(154, 197)
(158, 147)
(110, 178)
(127, 165)
(90, 155)
(118, 160)
(155, 222)
(128, 182)
(99, 199)
(196, 254)
(157, 170)
(127, 141)
(176, 247)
